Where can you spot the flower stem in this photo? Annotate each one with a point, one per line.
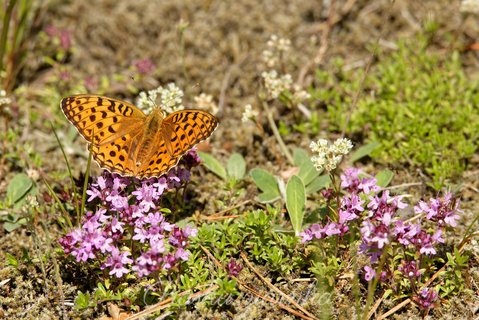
(276, 134)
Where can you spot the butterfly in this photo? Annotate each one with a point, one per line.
(122, 139)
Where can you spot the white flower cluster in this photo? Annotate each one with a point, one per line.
(329, 156)
(171, 98)
(4, 100)
(469, 6)
(276, 84)
(205, 102)
(249, 113)
(276, 48)
(299, 95)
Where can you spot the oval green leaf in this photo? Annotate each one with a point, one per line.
(18, 188)
(384, 177)
(295, 202)
(319, 183)
(236, 166)
(364, 151)
(265, 181)
(213, 165)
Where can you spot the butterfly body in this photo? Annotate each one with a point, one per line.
(124, 140)
(151, 134)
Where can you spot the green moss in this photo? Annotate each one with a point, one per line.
(418, 104)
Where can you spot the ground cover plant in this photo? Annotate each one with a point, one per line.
(341, 180)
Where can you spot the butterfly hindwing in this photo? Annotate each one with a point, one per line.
(118, 155)
(160, 162)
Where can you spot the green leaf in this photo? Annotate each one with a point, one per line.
(384, 177)
(9, 226)
(213, 164)
(364, 151)
(11, 260)
(18, 188)
(319, 183)
(307, 172)
(265, 181)
(295, 202)
(82, 300)
(236, 166)
(268, 197)
(300, 156)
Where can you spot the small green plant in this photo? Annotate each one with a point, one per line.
(103, 293)
(20, 197)
(307, 181)
(254, 233)
(273, 187)
(232, 173)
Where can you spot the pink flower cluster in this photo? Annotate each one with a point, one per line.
(376, 213)
(380, 223)
(63, 36)
(352, 206)
(127, 231)
(144, 66)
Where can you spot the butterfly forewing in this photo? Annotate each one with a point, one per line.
(184, 129)
(101, 119)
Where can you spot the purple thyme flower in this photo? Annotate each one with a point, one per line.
(350, 179)
(144, 66)
(90, 83)
(426, 298)
(127, 214)
(369, 274)
(345, 216)
(116, 261)
(306, 235)
(234, 268)
(328, 194)
(315, 231)
(441, 210)
(353, 203)
(64, 36)
(95, 190)
(65, 39)
(182, 254)
(368, 184)
(169, 261)
(409, 269)
(161, 185)
(191, 159)
(147, 195)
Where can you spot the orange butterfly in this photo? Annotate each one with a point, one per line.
(124, 140)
